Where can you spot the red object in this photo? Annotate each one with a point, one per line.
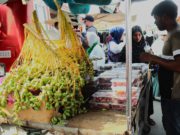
(10, 99)
(19, 11)
(9, 44)
(12, 17)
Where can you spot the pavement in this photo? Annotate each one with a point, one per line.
(157, 117)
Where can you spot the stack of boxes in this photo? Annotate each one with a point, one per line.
(111, 94)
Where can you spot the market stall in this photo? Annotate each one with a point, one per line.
(107, 106)
(47, 80)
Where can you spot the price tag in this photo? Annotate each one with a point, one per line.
(2, 69)
(5, 54)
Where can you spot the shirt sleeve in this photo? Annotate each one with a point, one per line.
(97, 53)
(92, 29)
(115, 48)
(176, 44)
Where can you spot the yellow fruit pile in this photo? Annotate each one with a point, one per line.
(47, 71)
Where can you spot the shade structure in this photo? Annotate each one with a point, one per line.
(79, 8)
(95, 2)
(3, 1)
(107, 21)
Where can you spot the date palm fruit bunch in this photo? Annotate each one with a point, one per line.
(48, 72)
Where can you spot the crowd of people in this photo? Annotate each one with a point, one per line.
(164, 52)
(111, 47)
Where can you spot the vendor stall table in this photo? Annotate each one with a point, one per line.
(102, 122)
(91, 123)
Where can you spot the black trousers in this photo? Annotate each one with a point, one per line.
(171, 116)
(169, 107)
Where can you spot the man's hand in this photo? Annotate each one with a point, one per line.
(146, 57)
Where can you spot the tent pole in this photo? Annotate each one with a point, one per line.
(128, 64)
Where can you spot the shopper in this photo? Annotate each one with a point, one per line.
(95, 51)
(115, 44)
(165, 14)
(89, 22)
(149, 37)
(139, 45)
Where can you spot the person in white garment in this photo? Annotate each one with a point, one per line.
(158, 44)
(95, 51)
(115, 44)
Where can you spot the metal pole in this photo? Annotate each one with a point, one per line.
(128, 63)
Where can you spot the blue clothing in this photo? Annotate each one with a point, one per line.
(112, 57)
(116, 34)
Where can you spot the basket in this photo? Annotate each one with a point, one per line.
(39, 116)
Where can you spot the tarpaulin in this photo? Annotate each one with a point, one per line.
(19, 12)
(12, 18)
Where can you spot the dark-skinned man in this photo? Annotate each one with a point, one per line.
(165, 14)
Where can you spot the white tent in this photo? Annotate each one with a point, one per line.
(107, 21)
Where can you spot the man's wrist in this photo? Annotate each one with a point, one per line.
(155, 59)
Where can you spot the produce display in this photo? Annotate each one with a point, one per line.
(111, 101)
(109, 97)
(47, 74)
(112, 88)
(116, 78)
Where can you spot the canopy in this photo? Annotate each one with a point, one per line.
(77, 6)
(107, 21)
(3, 1)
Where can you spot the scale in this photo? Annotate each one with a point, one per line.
(2, 70)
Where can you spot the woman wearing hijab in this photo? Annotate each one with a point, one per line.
(139, 45)
(115, 44)
(95, 52)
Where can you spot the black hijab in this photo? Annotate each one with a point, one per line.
(134, 30)
(137, 47)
